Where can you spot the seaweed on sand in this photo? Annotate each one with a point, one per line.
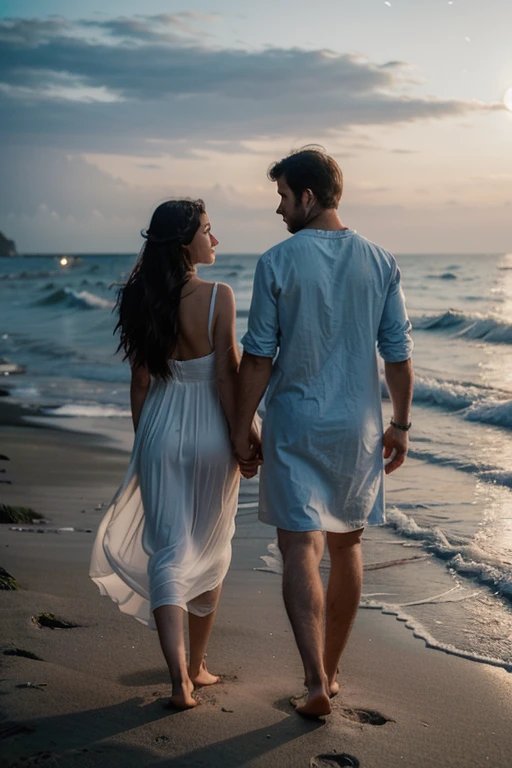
(7, 581)
(17, 515)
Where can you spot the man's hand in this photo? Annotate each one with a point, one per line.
(395, 440)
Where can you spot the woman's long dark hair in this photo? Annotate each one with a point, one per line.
(148, 304)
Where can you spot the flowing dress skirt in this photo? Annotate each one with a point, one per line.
(166, 538)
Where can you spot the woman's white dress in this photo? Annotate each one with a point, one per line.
(166, 538)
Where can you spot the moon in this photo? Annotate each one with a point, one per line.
(507, 99)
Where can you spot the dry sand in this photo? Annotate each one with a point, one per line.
(97, 698)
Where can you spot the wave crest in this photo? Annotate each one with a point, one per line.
(468, 325)
(477, 403)
(75, 299)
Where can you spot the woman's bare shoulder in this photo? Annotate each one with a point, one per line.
(222, 287)
(225, 298)
(225, 289)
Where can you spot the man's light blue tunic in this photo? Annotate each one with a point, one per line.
(326, 300)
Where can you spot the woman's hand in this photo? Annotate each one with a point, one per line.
(248, 453)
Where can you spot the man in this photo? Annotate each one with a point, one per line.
(325, 298)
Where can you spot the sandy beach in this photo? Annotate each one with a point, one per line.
(324, 186)
(96, 696)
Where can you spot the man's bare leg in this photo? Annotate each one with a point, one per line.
(169, 623)
(342, 601)
(304, 600)
(199, 630)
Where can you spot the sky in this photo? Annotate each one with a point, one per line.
(108, 109)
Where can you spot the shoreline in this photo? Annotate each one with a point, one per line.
(416, 574)
(99, 693)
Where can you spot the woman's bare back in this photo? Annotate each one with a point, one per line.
(193, 341)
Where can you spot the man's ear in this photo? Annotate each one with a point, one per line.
(308, 198)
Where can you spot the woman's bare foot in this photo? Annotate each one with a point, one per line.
(334, 689)
(182, 696)
(202, 676)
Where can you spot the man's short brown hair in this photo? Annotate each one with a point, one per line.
(311, 168)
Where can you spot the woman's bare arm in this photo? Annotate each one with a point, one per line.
(254, 376)
(139, 387)
(227, 357)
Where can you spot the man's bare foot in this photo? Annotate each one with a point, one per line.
(317, 704)
(334, 686)
(334, 689)
(182, 696)
(202, 676)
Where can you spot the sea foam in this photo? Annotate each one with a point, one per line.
(460, 552)
(420, 632)
(88, 411)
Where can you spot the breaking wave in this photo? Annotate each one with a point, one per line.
(67, 297)
(491, 328)
(476, 403)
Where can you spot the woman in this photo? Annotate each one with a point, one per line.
(164, 546)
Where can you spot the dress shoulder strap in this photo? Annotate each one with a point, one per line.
(210, 316)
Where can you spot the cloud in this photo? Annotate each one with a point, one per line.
(66, 184)
(135, 29)
(164, 27)
(146, 77)
(71, 205)
(32, 32)
(494, 177)
(150, 166)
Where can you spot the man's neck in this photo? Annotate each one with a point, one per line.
(325, 219)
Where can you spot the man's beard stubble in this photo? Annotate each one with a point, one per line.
(298, 221)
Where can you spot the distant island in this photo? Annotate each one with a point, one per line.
(7, 247)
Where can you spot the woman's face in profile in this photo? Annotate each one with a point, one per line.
(201, 249)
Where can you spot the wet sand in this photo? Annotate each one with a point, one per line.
(97, 697)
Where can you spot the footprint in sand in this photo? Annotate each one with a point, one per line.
(334, 761)
(365, 716)
(22, 653)
(52, 621)
(46, 759)
(7, 730)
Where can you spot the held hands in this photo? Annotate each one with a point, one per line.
(397, 441)
(248, 453)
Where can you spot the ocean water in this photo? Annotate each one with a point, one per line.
(443, 562)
